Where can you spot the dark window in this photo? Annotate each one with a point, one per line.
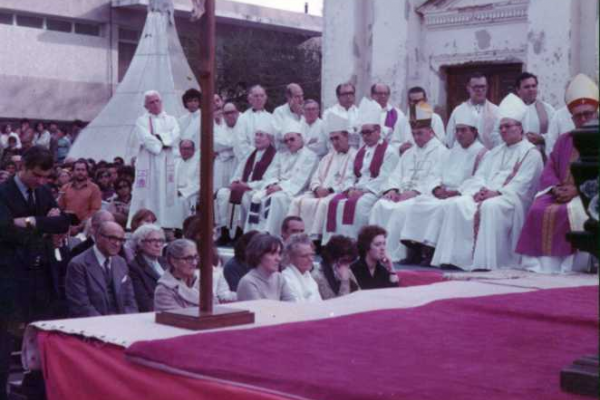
(58, 25)
(30, 21)
(129, 35)
(6, 18)
(87, 29)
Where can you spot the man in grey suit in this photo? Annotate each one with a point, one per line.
(97, 280)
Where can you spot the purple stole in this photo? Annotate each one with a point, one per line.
(391, 118)
(257, 173)
(350, 206)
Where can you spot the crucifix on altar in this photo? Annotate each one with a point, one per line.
(207, 316)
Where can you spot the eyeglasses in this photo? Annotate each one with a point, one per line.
(114, 239)
(189, 259)
(478, 87)
(289, 140)
(506, 126)
(154, 241)
(367, 132)
(229, 112)
(346, 94)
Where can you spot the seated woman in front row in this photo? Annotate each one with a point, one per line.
(264, 281)
(374, 269)
(179, 286)
(334, 277)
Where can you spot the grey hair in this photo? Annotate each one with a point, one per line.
(93, 223)
(142, 233)
(151, 93)
(292, 243)
(176, 248)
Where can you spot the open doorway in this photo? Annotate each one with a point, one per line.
(501, 81)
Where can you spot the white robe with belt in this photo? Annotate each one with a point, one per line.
(490, 243)
(331, 173)
(155, 187)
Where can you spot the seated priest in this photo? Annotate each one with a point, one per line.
(557, 208)
(187, 178)
(252, 174)
(327, 180)
(348, 211)
(418, 171)
(292, 172)
(421, 225)
(481, 228)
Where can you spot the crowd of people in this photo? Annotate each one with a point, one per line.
(364, 185)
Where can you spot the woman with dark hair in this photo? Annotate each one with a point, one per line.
(236, 267)
(374, 269)
(264, 281)
(334, 277)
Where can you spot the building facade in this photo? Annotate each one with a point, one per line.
(437, 43)
(62, 59)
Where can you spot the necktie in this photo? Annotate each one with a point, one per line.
(107, 270)
(30, 201)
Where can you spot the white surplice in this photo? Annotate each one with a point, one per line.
(189, 127)
(419, 169)
(233, 216)
(187, 173)
(403, 133)
(367, 183)
(246, 129)
(331, 173)
(155, 187)
(315, 137)
(303, 286)
(501, 218)
(423, 223)
(560, 123)
(292, 174)
(225, 163)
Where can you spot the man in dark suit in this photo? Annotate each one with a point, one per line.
(29, 216)
(97, 280)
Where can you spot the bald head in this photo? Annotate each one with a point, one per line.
(109, 238)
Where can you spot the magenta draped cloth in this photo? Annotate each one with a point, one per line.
(547, 223)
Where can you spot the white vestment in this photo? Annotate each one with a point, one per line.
(484, 235)
(233, 216)
(303, 286)
(292, 174)
(246, 129)
(560, 123)
(403, 134)
(370, 185)
(423, 223)
(282, 115)
(419, 169)
(225, 162)
(351, 115)
(189, 127)
(487, 118)
(531, 123)
(187, 176)
(315, 137)
(154, 187)
(42, 139)
(331, 173)
(4, 140)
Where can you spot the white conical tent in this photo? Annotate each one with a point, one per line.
(158, 64)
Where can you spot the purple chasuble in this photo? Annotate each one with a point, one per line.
(257, 172)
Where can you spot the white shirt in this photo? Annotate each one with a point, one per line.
(302, 285)
(101, 257)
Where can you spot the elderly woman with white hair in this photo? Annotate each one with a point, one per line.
(148, 265)
(300, 253)
(179, 287)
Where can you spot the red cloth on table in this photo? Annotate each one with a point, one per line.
(418, 278)
(494, 347)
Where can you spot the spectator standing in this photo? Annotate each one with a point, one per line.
(81, 196)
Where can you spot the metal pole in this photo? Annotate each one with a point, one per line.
(207, 66)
